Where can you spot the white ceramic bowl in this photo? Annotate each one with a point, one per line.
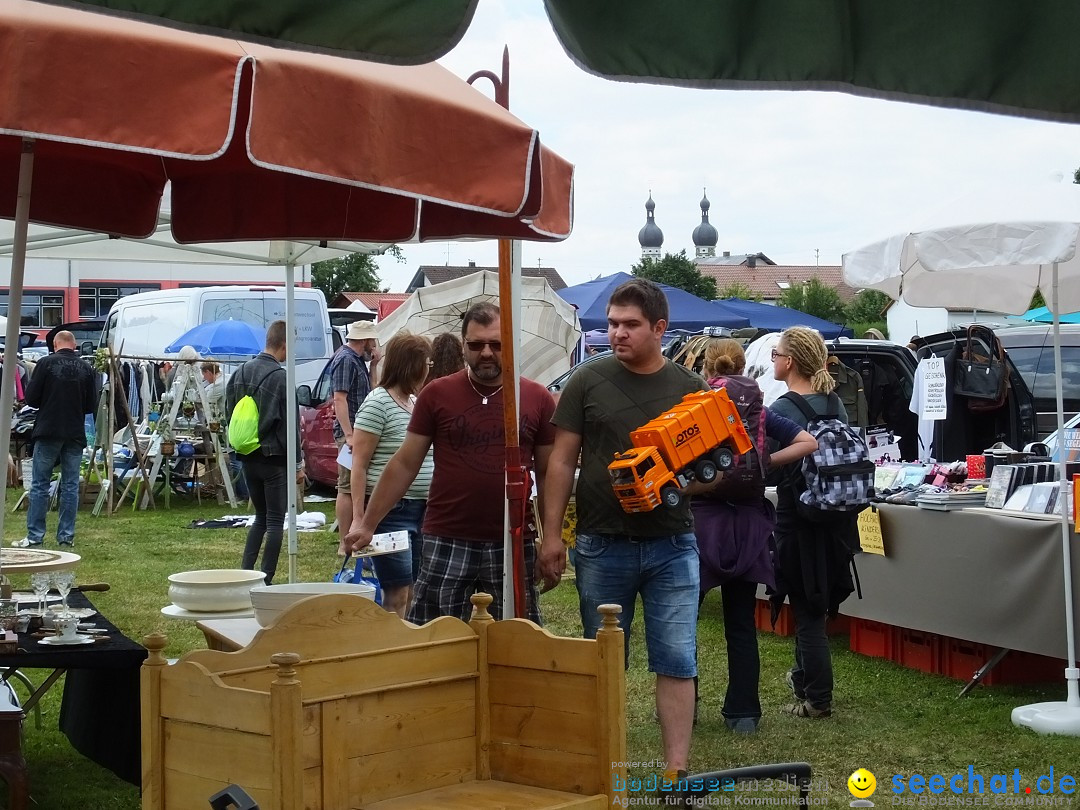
(224, 589)
(270, 600)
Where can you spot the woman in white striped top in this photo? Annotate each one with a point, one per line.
(381, 422)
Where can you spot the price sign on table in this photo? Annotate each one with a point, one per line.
(870, 535)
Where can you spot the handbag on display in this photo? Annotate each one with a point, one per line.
(982, 379)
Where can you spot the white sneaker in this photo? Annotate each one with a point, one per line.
(26, 542)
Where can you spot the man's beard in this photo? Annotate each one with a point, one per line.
(486, 373)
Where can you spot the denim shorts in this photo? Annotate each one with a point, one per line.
(401, 568)
(665, 572)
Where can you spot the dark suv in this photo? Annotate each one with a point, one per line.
(1031, 349)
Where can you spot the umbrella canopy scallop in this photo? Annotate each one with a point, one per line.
(549, 325)
(251, 139)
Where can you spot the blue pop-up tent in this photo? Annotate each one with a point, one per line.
(687, 311)
(777, 319)
(1042, 315)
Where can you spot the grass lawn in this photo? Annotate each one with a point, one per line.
(887, 719)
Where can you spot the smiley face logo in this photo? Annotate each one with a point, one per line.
(862, 784)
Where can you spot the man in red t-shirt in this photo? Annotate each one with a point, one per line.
(461, 417)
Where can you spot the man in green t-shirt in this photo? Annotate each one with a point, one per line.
(618, 555)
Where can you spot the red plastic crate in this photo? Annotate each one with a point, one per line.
(785, 622)
(839, 625)
(874, 639)
(962, 658)
(921, 651)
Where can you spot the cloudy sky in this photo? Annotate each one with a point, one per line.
(800, 176)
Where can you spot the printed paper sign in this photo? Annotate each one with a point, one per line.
(932, 399)
(870, 536)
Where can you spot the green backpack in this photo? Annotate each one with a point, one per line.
(244, 423)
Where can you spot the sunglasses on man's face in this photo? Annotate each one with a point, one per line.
(478, 345)
(774, 354)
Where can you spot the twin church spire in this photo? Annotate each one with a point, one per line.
(651, 238)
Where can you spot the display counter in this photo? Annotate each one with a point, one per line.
(973, 574)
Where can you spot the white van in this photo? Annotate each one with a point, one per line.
(142, 325)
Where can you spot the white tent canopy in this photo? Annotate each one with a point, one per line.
(45, 242)
(68, 244)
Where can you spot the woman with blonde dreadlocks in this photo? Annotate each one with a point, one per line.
(812, 562)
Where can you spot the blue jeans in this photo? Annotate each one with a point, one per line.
(399, 570)
(665, 571)
(47, 454)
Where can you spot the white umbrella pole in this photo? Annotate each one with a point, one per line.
(1056, 717)
(15, 287)
(290, 412)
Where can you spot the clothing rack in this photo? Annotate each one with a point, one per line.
(186, 377)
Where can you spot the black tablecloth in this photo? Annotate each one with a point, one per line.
(99, 713)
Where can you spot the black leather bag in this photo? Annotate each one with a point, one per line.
(979, 377)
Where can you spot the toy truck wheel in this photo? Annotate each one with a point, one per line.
(724, 459)
(705, 471)
(671, 497)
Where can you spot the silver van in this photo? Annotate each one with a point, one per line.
(142, 325)
(1031, 349)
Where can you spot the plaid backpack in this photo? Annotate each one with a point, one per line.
(839, 475)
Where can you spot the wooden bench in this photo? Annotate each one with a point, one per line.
(340, 704)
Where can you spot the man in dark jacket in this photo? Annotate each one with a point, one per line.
(265, 468)
(64, 389)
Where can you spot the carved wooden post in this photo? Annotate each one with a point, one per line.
(480, 622)
(611, 685)
(150, 710)
(286, 728)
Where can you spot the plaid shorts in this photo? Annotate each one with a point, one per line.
(452, 570)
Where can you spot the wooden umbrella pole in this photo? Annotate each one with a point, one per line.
(516, 477)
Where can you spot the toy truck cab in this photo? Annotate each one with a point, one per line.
(642, 480)
(690, 441)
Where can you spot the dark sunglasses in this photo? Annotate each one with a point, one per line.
(774, 354)
(478, 345)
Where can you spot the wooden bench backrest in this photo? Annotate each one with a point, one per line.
(379, 695)
(557, 707)
(388, 709)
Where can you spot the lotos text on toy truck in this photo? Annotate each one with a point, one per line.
(690, 441)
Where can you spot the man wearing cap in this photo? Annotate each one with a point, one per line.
(351, 381)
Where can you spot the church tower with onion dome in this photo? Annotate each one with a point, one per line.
(650, 237)
(705, 235)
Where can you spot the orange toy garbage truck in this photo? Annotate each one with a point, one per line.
(690, 441)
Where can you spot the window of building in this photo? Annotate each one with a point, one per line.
(40, 309)
(95, 301)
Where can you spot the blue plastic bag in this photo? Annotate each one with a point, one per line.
(363, 572)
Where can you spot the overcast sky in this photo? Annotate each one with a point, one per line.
(799, 176)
